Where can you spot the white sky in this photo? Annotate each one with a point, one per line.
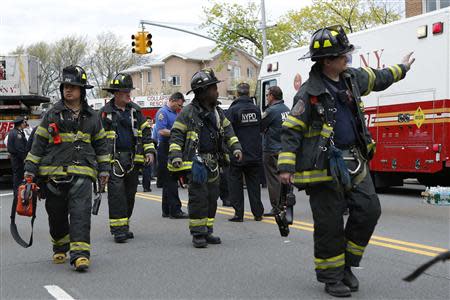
(24, 22)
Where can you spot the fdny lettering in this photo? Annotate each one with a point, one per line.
(364, 60)
(249, 118)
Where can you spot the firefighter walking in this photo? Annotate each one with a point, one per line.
(196, 145)
(130, 146)
(67, 152)
(326, 147)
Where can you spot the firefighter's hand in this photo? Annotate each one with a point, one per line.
(177, 162)
(103, 180)
(238, 155)
(408, 61)
(149, 158)
(286, 177)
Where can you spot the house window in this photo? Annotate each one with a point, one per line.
(250, 72)
(236, 73)
(431, 5)
(176, 80)
(162, 73)
(149, 76)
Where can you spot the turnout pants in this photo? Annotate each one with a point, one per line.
(202, 205)
(69, 215)
(121, 195)
(270, 160)
(171, 204)
(236, 186)
(336, 245)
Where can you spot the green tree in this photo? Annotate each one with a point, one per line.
(238, 25)
(44, 52)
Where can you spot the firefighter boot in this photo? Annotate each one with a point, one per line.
(350, 279)
(120, 237)
(59, 257)
(337, 289)
(199, 241)
(130, 235)
(211, 239)
(81, 264)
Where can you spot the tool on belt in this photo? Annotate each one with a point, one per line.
(24, 205)
(98, 197)
(286, 215)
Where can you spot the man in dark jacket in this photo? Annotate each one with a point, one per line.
(245, 117)
(324, 140)
(69, 151)
(17, 148)
(271, 122)
(197, 141)
(130, 145)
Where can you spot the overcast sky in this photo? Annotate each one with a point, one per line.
(23, 22)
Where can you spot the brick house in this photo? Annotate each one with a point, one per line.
(417, 7)
(173, 72)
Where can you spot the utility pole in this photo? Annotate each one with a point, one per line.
(263, 28)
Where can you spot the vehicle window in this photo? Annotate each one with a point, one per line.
(265, 86)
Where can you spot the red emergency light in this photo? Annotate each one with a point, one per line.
(438, 27)
(437, 147)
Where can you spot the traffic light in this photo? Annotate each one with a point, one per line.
(148, 42)
(142, 42)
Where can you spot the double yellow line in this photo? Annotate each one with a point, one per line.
(376, 240)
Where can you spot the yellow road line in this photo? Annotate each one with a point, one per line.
(376, 240)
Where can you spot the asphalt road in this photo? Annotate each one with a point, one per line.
(253, 261)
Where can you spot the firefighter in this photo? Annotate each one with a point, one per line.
(130, 144)
(196, 145)
(69, 151)
(326, 147)
(17, 148)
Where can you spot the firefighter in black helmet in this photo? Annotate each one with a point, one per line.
(130, 146)
(196, 146)
(69, 151)
(326, 147)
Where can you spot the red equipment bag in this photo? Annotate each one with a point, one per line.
(24, 205)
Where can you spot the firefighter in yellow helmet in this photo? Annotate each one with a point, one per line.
(326, 147)
(130, 145)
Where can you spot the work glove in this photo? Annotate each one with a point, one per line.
(177, 162)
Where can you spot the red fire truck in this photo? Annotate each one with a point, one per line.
(410, 120)
(19, 96)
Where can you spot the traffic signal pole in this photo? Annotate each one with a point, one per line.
(142, 22)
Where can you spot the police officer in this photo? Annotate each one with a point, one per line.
(165, 117)
(272, 119)
(68, 152)
(129, 140)
(17, 148)
(325, 130)
(197, 146)
(245, 117)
